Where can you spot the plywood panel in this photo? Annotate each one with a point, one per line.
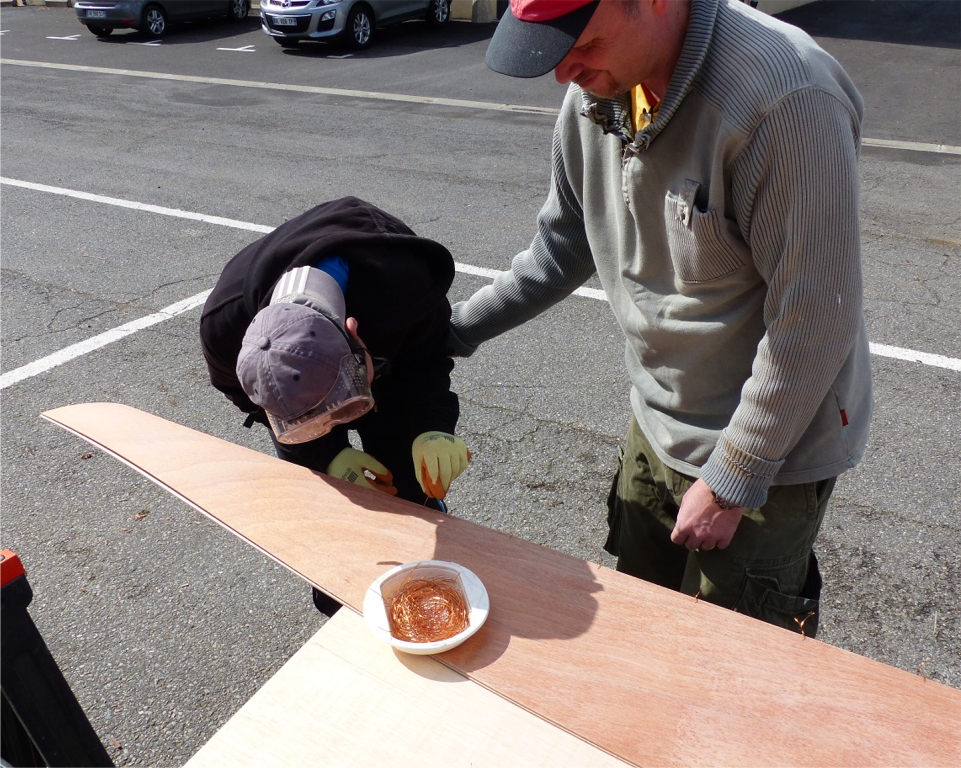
(642, 672)
(346, 698)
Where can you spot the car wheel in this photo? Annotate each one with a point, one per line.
(100, 31)
(237, 10)
(154, 21)
(287, 42)
(438, 13)
(360, 27)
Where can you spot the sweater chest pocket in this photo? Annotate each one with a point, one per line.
(700, 251)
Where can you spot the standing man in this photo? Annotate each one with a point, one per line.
(705, 165)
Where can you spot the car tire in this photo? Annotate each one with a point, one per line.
(237, 10)
(154, 21)
(100, 31)
(438, 13)
(287, 42)
(359, 29)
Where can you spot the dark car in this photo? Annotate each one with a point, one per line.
(153, 17)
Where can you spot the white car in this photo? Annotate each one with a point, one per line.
(354, 21)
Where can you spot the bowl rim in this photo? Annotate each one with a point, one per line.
(375, 613)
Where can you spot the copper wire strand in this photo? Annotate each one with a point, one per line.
(802, 622)
(427, 610)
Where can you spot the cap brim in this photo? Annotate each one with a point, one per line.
(531, 49)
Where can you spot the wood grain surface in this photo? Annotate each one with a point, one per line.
(644, 673)
(347, 698)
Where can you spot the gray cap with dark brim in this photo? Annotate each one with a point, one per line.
(290, 358)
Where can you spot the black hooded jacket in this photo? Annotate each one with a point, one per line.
(396, 289)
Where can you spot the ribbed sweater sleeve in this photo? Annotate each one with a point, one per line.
(558, 262)
(795, 187)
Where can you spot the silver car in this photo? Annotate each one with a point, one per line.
(354, 21)
(152, 17)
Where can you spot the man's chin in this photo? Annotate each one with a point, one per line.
(598, 93)
(599, 89)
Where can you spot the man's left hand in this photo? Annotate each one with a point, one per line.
(702, 524)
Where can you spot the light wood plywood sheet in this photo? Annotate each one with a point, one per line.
(346, 698)
(649, 675)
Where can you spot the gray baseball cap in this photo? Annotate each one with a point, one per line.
(292, 351)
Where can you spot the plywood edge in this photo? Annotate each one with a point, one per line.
(349, 698)
(53, 415)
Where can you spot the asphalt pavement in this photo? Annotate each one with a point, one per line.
(163, 623)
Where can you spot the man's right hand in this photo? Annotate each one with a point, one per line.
(362, 469)
(701, 523)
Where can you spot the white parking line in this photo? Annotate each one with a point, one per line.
(81, 348)
(175, 212)
(938, 361)
(72, 38)
(243, 49)
(151, 43)
(914, 146)
(285, 87)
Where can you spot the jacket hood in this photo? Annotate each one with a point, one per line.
(364, 235)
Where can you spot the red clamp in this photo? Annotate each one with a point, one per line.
(10, 567)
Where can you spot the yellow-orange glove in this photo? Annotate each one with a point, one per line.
(362, 469)
(438, 459)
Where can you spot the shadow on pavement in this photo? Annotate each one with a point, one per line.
(399, 40)
(188, 32)
(934, 23)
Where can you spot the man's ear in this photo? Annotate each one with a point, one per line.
(659, 7)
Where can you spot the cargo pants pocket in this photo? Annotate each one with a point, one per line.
(761, 598)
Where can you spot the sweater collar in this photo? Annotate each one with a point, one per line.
(614, 115)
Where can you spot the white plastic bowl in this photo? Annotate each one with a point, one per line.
(375, 612)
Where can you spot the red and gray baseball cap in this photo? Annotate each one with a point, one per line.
(534, 36)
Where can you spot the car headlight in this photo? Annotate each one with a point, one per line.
(321, 3)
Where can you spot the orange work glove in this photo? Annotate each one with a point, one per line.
(438, 459)
(362, 469)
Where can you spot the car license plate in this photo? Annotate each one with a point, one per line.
(284, 21)
(96, 14)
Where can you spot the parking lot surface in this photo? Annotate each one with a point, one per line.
(132, 170)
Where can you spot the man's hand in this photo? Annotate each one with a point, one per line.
(438, 459)
(362, 469)
(702, 524)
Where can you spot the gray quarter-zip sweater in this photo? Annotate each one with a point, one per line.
(726, 237)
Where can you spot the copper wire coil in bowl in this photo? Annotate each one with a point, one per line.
(426, 607)
(427, 610)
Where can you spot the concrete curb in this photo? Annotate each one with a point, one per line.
(47, 3)
(479, 11)
(254, 6)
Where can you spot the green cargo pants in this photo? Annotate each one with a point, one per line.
(769, 570)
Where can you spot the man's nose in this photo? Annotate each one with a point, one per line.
(567, 70)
